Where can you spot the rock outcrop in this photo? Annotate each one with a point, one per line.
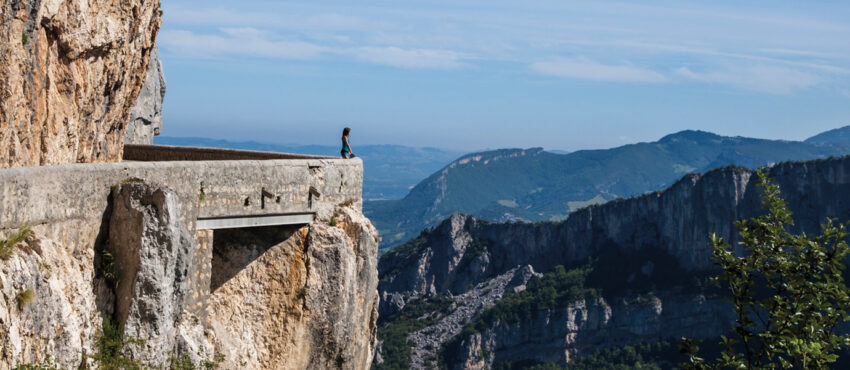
(582, 327)
(302, 296)
(152, 258)
(146, 116)
(70, 72)
(652, 245)
(296, 298)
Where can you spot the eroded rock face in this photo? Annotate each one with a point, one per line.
(561, 335)
(152, 257)
(296, 298)
(146, 116)
(61, 320)
(70, 72)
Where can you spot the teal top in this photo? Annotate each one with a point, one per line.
(345, 147)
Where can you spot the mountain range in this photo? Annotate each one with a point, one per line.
(627, 276)
(537, 185)
(390, 170)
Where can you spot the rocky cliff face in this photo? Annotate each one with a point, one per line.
(279, 297)
(653, 244)
(306, 299)
(582, 327)
(146, 116)
(70, 72)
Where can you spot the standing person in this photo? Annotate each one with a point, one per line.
(346, 147)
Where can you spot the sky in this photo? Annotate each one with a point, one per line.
(472, 75)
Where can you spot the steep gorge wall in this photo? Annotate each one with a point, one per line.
(70, 72)
(650, 255)
(677, 221)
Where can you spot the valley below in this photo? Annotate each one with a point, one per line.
(630, 273)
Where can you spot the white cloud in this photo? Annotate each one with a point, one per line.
(237, 41)
(246, 41)
(586, 69)
(760, 78)
(409, 58)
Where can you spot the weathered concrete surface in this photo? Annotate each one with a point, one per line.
(70, 71)
(146, 116)
(43, 195)
(335, 287)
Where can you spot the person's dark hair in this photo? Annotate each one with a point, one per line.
(345, 131)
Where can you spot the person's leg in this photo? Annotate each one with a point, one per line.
(343, 154)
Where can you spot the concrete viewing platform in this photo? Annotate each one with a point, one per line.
(213, 185)
(70, 205)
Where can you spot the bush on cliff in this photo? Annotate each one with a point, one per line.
(788, 292)
(7, 247)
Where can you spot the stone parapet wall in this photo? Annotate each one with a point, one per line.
(53, 194)
(159, 153)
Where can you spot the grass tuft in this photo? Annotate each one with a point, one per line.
(7, 247)
(25, 297)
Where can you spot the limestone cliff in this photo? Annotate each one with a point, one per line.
(582, 327)
(146, 116)
(70, 72)
(654, 246)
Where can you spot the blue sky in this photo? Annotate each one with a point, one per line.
(470, 75)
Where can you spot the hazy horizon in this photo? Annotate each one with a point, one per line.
(490, 74)
(462, 150)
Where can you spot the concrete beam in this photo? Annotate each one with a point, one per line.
(239, 222)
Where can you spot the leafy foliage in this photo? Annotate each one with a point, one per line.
(110, 346)
(555, 289)
(395, 328)
(787, 290)
(47, 364)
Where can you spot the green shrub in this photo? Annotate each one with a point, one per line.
(7, 247)
(110, 347)
(47, 364)
(24, 297)
(25, 39)
(553, 290)
(395, 328)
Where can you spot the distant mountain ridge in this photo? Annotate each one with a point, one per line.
(465, 288)
(536, 185)
(391, 170)
(839, 135)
